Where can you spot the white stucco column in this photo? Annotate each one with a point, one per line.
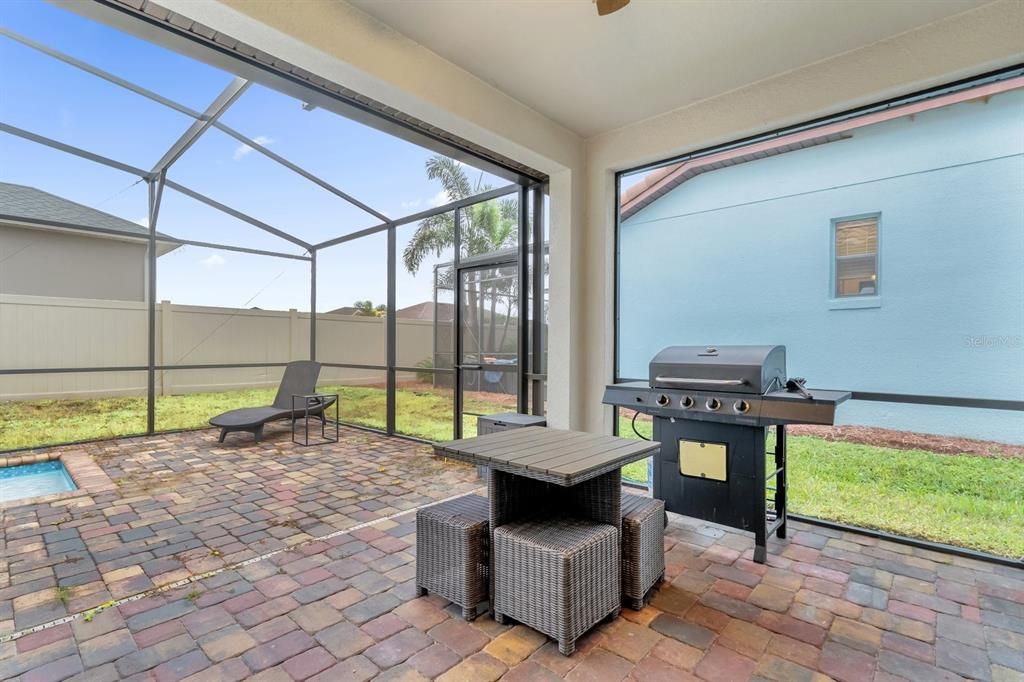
(564, 383)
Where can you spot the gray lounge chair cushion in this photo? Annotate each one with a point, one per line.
(250, 416)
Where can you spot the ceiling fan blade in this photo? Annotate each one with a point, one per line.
(605, 7)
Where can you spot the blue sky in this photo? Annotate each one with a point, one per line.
(48, 97)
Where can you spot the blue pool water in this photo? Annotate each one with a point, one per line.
(33, 480)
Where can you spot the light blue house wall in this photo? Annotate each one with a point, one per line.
(742, 255)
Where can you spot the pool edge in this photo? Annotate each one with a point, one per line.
(86, 474)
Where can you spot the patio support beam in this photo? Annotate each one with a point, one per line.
(188, 111)
(217, 107)
(539, 248)
(414, 217)
(523, 327)
(224, 247)
(391, 331)
(156, 190)
(161, 238)
(237, 214)
(222, 365)
(457, 322)
(148, 176)
(301, 171)
(74, 151)
(355, 235)
(99, 73)
(312, 304)
(71, 370)
(461, 203)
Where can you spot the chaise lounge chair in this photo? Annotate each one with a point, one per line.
(299, 379)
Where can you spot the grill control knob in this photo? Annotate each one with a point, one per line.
(663, 400)
(686, 402)
(713, 404)
(741, 406)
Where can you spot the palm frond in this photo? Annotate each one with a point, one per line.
(486, 226)
(451, 176)
(510, 209)
(432, 236)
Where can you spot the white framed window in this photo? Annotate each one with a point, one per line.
(855, 272)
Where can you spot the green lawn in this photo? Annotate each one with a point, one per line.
(421, 410)
(963, 500)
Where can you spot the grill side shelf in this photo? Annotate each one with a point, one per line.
(783, 407)
(635, 395)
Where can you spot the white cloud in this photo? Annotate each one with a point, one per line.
(243, 149)
(213, 260)
(439, 199)
(144, 221)
(411, 204)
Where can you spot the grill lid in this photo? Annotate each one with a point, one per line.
(733, 369)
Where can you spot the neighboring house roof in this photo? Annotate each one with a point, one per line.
(425, 311)
(28, 205)
(344, 310)
(661, 181)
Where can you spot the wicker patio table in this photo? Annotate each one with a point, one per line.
(543, 473)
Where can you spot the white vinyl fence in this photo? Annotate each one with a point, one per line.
(43, 333)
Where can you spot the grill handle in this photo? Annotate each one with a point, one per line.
(705, 382)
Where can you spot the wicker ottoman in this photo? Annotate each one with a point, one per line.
(559, 576)
(643, 547)
(451, 552)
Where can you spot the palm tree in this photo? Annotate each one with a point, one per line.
(486, 227)
(367, 309)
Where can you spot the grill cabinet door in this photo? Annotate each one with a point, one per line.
(737, 501)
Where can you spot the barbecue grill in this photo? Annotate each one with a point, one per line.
(712, 407)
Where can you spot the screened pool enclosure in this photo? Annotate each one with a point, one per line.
(180, 218)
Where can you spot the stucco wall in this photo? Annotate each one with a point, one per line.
(48, 263)
(742, 255)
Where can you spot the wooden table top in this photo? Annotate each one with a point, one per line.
(562, 457)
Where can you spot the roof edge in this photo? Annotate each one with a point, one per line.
(663, 180)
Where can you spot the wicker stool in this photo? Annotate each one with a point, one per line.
(451, 552)
(559, 576)
(643, 547)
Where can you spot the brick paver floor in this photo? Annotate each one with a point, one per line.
(827, 605)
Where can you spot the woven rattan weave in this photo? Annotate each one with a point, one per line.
(643, 547)
(452, 541)
(558, 575)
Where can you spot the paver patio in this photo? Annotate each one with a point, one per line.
(302, 606)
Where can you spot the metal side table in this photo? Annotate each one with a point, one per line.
(313, 405)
